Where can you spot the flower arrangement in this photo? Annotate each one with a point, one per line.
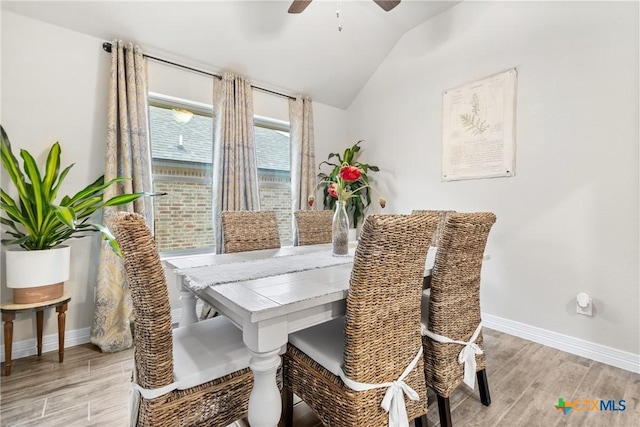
(342, 189)
(348, 182)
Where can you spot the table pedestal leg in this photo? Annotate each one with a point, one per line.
(39, 327)
(265, 406)
(61, 321)
(7, 318)
(188, 303)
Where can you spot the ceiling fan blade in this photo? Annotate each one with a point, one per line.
(298, 6)
(387, 5)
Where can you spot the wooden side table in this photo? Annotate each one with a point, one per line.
(9, 311)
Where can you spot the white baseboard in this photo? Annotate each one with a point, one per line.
(598, 352)
(49, 343)
(71, 338)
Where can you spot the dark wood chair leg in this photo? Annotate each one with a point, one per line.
(444, 410)
(483, 386)
(420, 421)
(287, 407)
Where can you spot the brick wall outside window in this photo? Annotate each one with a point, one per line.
(183, 218)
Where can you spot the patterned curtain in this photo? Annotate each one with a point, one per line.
(235, 175)
(127, 155)
(303, 159)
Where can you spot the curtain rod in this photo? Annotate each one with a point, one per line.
(107, 48)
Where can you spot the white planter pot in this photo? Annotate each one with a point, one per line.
(37, 275)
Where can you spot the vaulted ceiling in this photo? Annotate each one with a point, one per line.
(303, 53)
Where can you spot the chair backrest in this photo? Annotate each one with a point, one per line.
(382, 325)
(443, 218)
(454, 304)
(152, 338)
(314, 227)
(249, 231)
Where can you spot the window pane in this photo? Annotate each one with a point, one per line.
(181, 148)
(274, 177)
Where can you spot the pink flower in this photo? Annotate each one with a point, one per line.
(310, 200)
(350, 173)
(332, 190)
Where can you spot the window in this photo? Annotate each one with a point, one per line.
(181, 150)
(181, 134)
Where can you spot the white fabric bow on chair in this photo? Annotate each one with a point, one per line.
(393, 401)
(136, 391)
(467, 355)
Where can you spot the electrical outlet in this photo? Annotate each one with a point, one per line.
(584, 305)
(587, 311)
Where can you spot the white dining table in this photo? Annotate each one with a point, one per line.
(268, 309)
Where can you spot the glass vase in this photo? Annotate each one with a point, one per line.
(340, 230)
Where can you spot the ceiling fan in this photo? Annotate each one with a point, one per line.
(297, 6)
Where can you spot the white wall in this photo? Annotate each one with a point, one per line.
(568, 221)
(330, 129)
(54, 88)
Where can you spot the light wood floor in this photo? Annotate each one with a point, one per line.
(525, 379)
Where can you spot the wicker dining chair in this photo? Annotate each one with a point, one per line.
(443, 218)
(202, 369)
(314, 227)
(369, 344)
(454, 310)
(249, 231)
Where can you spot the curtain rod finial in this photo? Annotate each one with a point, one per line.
(106, 46)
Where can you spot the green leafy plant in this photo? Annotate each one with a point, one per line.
(359, 190)
(34, 220)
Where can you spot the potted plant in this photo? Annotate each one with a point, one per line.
(38, 263)
(358, 189)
